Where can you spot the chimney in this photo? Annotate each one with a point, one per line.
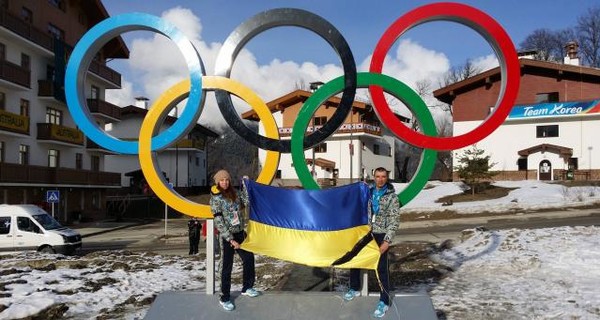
(141, 102)
(571, 57)
(314, 86)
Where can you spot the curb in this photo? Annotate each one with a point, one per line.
(133, 224)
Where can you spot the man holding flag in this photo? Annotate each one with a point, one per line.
(384, 218)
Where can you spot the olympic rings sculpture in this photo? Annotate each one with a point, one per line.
(151, 141)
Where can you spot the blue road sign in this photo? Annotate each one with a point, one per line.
(52, 196)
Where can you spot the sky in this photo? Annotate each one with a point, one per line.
(274, 62)
(549, 273)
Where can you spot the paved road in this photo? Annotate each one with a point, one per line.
(150, 236)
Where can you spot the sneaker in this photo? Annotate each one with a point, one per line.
(351, 294)
(380, 310)
(251, 293)
(227, 305)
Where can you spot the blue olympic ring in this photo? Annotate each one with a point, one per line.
(92, 42)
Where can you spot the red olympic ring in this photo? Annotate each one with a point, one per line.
(486, 27)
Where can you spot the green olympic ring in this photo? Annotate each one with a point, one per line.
(365, 79)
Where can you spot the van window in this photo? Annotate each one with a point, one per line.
(47, 221)
(25, 224)
(4, 225)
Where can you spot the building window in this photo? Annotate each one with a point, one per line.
(5, 225)
(24, 107)
(522, 164)
(78, 161)
(53, 158)
(23, 154)
(321, 148)
(26, 15)
(56, 32)
(95, 164)
(95, 93)
(278, 174)
(573, 164)
(1, 151)
(546, 97)
(319, 121)
(375, 148)
(547, 131)
(2, 100)
(25, 61)
(53, 116)
(2, 51)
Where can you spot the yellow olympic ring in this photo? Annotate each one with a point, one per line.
(159, 110)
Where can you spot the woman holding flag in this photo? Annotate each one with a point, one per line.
(384, 217)
(226, 206)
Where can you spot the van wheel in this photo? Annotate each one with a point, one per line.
(47, 249)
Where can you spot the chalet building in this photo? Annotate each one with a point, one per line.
(350, 154)
(184, 163)
(551, 132)
(41, 147)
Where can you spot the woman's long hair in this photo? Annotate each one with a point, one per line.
(228, 193)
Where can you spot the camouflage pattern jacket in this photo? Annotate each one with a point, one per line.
(229, 216)
(388, 218)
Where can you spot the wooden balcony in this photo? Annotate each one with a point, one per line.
(105, 73)
(92, 146)
(58, 133)
(17, 173)
(43, 39)
(15, 73)
(47, 89)
(105, 109)
(346, 128)
(26, 30)
(188, 144)
(13, 122)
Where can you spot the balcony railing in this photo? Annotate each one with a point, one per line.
(54, 132)
(25, 30)
(15, 73)
(14, 122)
(104, 108)
(47, 88)
(45, 40)
(17, 173)
(359, 127)
(189, 144)
(105, 72)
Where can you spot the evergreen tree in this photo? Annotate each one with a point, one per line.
(474, 167)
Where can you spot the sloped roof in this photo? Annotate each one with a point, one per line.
(563, 151)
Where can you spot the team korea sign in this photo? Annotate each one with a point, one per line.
(555, 109)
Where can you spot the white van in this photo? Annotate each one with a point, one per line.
(30, 228)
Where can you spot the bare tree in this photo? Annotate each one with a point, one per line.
(546, 44)
(588, 35)
(459, 73)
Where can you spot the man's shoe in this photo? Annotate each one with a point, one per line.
(251, 293)
(351, 294)
(227, 305)
(380, 310)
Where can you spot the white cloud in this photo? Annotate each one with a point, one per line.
(485, 63)
(156, 64)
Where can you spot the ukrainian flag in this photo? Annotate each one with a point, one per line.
(320, 228)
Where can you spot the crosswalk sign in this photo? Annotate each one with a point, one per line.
(52, 196)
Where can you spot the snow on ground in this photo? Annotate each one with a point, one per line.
(105, 284)
(522, 274)
(511, 274)
(529, 195)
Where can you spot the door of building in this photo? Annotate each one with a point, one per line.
(545, 170)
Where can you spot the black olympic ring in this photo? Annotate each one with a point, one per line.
(276, 18)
